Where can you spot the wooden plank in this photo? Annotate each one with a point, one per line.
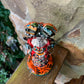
(23, 76)
(77, 81)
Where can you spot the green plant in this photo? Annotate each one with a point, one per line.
(8, 59)
(3, 76)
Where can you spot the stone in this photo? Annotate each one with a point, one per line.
(18, 7)
(19, 16)
(19, 23)
(74, 34)
(60, 2)
(73, 41)
(61, 79)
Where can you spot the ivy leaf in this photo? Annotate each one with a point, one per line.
(11, 60)
(2, 26)
(2, 58)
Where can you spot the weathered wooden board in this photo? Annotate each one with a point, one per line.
(23, 76)
(77, 81)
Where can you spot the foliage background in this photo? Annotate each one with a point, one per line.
(9, 60)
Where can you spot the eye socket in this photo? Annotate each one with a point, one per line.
(44, 49)
(27, 29)
(35, 49)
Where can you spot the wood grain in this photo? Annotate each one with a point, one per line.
(23, 76)
(77, 81)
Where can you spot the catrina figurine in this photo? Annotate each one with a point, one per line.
(39, 41)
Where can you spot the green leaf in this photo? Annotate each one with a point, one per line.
(3, 58)
(3, 76)
(11, 60)
(3, 26)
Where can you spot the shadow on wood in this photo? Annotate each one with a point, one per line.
(77, 81)
(23, 76)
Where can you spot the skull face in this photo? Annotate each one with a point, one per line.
(39, 44)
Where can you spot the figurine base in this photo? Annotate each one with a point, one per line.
(40, 71)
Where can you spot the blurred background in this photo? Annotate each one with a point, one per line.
(10, 53)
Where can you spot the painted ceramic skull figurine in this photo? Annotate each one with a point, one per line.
(39, 61)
